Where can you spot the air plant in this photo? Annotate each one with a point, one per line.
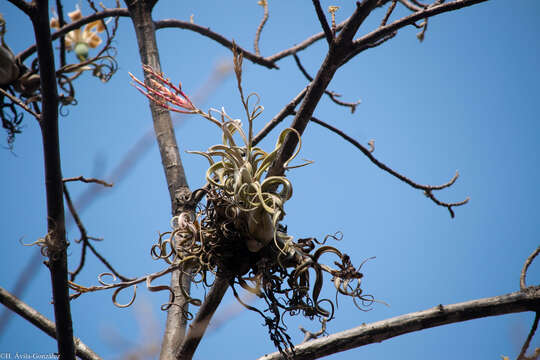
(239, 232)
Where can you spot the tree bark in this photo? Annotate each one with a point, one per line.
(199, 325)
(141, 14)
(55, 240)
(379, 331)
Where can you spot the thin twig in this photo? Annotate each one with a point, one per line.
(61, 22)
(528, 262)
(324, 22)
(366, 46)
(23, 55)
(123, 284)
(330, 65)
(105, 262)
(264, 4)
(301, 46)
(527, 342)
(88, 180)
(421, 35)
(173, 23)
(85, 240)
(331, 94)
(418, 3)
(268, 62)
(410, 5)
(428, 189)
(439, 315)
(383, 31)
(19, 102)
(286, 111)
(308, 335)
(388, 12)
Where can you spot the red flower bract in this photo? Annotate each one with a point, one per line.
(162, 91)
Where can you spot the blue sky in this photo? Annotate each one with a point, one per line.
(465, 99)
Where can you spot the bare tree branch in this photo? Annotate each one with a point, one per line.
(88, 180)
(61, 22)
(85, 239)
(173, 23)
(264, 4)
(140, 13)
(388, 12)
(439, 315)
(23, 55)
(410, 6)
(23, 280)
(324, 22)
(317, 87)
(286, 111)
(41, 322)
(527, 342)
(55, 240)
(528, 262)
(381, 32)
(331, 94)
(19, 102)
(428, 189)
(24, 6)
(199, 325)
(268, 62)
(303, 45)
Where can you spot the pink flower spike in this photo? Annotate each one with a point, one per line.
(162, 92)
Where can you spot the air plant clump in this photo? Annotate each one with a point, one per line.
(239, 234)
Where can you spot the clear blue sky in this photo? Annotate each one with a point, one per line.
(466, 98)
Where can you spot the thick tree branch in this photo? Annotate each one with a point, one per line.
(26, 7)
(325, 74)
(44, 324)
(199, 325)
(440, 315)
(140, 13)
(345, 48)
(363, 9)
(55, 241)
